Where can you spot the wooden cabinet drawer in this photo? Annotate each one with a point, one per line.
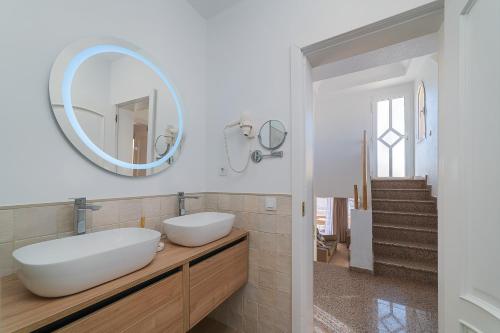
(156, 308)
(214, 279)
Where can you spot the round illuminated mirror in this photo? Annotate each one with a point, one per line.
(272, 134)
(117, 107)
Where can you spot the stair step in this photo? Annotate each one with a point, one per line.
(405, 228)
(394, 232)
(405, 218)
(403, 205)
(409, 264)
(415, 251)
(417, 271)
(406, 244)
(401, 193)
(399, 183)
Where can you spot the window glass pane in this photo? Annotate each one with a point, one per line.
(382, 117)
(391, 137)
(382, 160)
(398, 159)
(398, 115)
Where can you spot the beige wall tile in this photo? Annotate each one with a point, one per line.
(284, 263)
(284, 244)
(252, 221)
(284, 205)
(250, 292)
(283, 302)
(284, 224)
(253, 239)
(251, 203)
(195, 204)
(267, 278)
(267, 259)
(237, 202)
(168, 205)
(266, 296)
(106, 215)
(105, 227)
(34, 240)
(250, 325)
(151, 207)
(266, 223)
(250, 309)
(6, 226)
(65, 218)
(153, 223)
(6, 261)
(34, 222)
(129, 224)
(238, 221)
(267, 314)
(211, 201)
(224, 202)
(129, 210)
(283, 282)
(267, 241)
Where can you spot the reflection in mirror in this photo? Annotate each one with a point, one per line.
(272, 134)
(123, 105)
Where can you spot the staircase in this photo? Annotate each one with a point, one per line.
(404, 229)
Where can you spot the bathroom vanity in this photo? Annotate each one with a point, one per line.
(179, 288)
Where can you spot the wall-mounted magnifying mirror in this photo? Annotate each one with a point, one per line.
(272, 134)
(116, 106)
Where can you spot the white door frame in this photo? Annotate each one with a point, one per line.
(302, 220)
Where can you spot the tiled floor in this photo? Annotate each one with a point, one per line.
(209, 325)
(341, 256)
(352, 302)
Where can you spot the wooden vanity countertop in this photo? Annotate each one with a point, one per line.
(22, 311)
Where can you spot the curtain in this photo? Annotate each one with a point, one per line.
(329, 217)
(340, 218)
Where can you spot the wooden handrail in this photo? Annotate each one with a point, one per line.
(365, 176)
(356, 197)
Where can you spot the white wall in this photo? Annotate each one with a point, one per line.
(340, 118)
(249, 69)
(426, 151)
(38, 164)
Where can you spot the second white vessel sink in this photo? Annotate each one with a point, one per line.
(198, 229)
(69, 265)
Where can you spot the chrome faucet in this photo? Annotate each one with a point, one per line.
(181, 201)
(80, 214)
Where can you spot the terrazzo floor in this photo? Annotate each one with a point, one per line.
(352, 302)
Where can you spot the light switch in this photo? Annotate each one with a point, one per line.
(270, 203)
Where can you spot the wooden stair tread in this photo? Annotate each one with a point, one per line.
(403, 213)
(405, 201)
(408, 264)
(402, 189)
(411, 245)
(395, 226)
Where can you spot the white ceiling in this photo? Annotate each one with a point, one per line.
(210, 8)
(376, 77)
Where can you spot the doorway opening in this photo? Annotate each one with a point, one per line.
(358, 115)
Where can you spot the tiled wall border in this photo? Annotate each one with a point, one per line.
(263, 305)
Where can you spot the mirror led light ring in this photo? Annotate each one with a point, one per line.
(69, 74)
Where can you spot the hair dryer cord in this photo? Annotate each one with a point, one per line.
(226, 146)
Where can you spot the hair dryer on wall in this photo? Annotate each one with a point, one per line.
(247, 130)
(245, 124)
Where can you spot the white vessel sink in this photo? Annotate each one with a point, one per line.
(198, 229)
(69, 265)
